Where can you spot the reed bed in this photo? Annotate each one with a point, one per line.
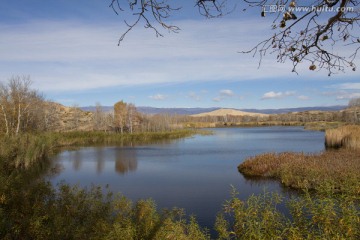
(27, 150)
(335, 171)
(89, 138)
(346, 137)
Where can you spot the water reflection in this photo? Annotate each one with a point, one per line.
(194, 173)
(99, 159)
(125, 161)
(256, 180)
(77, 162)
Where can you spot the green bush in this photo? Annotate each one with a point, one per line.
(311, 216)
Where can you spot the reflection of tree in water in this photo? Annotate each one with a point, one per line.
(77, 160)
(259, 181)
(100, 159)
(125, 160)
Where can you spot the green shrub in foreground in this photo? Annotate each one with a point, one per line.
(74, 213)
(309, 217)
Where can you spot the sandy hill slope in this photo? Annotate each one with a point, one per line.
(232, 112)
(63, 118)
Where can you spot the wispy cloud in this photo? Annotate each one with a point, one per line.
(277, 95)
(226, 93)
(347, 86)
(344, 91)
(342, 94)
(79, 56)
(158, 97)
(194, 96)
(303, 97)
(347, 95)
(217, 99)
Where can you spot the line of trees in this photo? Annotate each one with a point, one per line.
(22, 108)
(128, 119)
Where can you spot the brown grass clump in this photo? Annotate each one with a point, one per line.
(337, 170)
(346, 136)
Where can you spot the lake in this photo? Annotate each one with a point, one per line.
(193, 173)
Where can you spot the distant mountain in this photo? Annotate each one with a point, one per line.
(192, 111)
(154, 110)
(179, 111)
(300, 109)
(227, 111)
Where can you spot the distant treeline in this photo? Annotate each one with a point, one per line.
(23, 110)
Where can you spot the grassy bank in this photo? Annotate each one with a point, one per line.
(43, 212)
(89, 138)
(31, 208)
(330, 212)
(26, 150)
(316, 126)
(343, 137)
(239, 124)
(337, 170)
(310, 216)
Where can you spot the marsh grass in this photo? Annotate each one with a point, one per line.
(346, 136)
(311, 216)
(322, 126)
(24, 151)
(31, 208)
(43, 212)
(329, 206)
(27, 150)
(335, 171)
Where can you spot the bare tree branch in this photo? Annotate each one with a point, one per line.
(148, 11)
(311, 36)
(316, 32)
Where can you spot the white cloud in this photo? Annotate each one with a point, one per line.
(272, 94)
(226, 93)
(217, 99)
(289, 93)
(342, 94)
(276, 95)
(68, 55)
(347, 95)
(74, 56)
(347, 86)
(194, 96)
(158, 97)
(303, 97)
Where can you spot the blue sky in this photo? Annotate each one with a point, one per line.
(69, 48)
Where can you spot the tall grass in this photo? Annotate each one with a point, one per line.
(338, 170)
(24, 151)
(346, 136)
(89, 138)
(43, 212)
(27, 150)
(309, 217)
(31, 208)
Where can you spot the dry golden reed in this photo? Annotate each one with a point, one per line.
(336, 170)
(346, 136)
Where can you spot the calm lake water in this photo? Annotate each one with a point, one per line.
(194, 173)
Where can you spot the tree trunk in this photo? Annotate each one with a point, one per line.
(5, 119)
(18, 119)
